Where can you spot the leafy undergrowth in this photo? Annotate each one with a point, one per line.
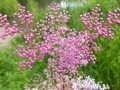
(10, 78)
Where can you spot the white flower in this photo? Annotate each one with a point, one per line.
(44, 83)
(74, 85)
(87, 84)
(35, 89)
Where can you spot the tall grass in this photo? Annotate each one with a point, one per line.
(10, 78)
(8, 7)
(39, 13)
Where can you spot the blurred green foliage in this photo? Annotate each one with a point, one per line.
(10, 78)
(8, 7)
(39, 13)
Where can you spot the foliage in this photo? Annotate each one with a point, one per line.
(39, 13)
(10, 78)
(8, 7)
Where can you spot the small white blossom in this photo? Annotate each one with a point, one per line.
(35, 89)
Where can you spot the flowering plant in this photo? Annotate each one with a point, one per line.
(68, 49)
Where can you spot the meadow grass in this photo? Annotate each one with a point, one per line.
(8, 7)
(10, 78)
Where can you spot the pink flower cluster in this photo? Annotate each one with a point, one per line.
(69, 49)
(95, 23)
(69, 54)
(9, 30)
(25, 19)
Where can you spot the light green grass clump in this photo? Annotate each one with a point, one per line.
(8, 7)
